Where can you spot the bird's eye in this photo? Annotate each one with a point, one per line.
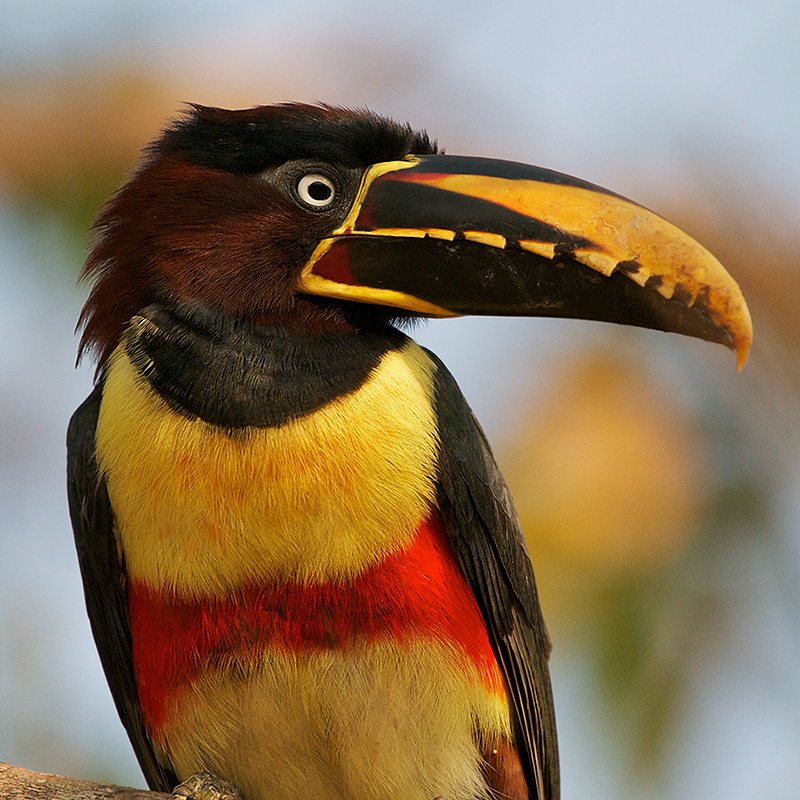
(316, 190)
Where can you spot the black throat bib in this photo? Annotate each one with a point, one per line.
(231, 373)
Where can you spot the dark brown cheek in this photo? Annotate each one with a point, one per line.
(238, 267)
(228, 240)
(236, 244)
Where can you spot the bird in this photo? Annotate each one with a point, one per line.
(302, 567)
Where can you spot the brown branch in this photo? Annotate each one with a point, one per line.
(22, 784)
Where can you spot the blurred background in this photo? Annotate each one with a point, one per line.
(658, 487)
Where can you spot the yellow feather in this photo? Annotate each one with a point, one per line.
(384, 721)
(202, 511)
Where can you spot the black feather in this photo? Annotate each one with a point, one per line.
(104, 584)
(253, 139)
(486, 536)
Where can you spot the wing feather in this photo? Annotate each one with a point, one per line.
(104, 584)
(486, 536)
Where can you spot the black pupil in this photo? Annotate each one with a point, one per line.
(319, 190)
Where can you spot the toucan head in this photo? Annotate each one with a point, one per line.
(330, 219)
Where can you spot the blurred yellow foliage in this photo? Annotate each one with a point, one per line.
(608, 476)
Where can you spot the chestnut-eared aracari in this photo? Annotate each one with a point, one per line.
(302, 567)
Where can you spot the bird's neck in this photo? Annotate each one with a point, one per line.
(204, 504)
(234, 374)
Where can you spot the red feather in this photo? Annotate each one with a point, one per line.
(416, 592)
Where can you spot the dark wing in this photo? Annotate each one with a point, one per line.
(104, 583)
(486, 536)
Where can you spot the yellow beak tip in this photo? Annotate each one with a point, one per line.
(742, 351)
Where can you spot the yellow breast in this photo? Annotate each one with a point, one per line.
(406, 722)
(201, 510)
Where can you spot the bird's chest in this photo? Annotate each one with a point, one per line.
(295, 603)
(201, 509)
(384, 685)
(389, 720)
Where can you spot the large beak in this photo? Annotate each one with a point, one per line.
(451, 235)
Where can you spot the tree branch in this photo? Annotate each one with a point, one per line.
(22, 784)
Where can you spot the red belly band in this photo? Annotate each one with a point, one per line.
(416, 592)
